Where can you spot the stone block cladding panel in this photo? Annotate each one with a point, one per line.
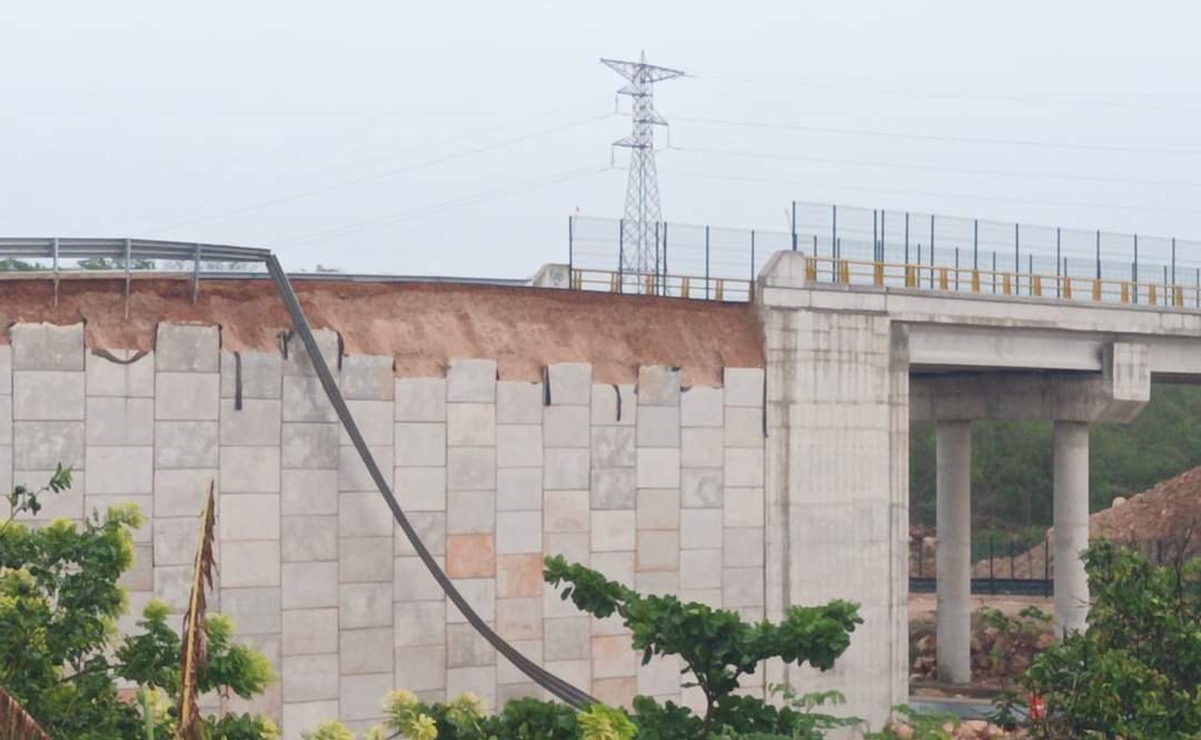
(310, 503)
(249, 435)
(366, 600)
(42, 410)
(186, 391)
(656, 485)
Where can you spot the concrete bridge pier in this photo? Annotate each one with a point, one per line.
(954, 554)
(1073, 401)
(1071, 525)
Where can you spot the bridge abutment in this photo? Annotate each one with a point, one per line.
(847, 369)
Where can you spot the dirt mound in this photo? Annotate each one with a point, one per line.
(421, 325)
(1170, 512)
(1161, 522)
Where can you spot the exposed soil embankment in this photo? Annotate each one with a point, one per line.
(1162, 522)
(421, 325)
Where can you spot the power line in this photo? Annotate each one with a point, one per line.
(642, 212)
(939, 168)
(422, 147)
(932, 194)
(936, 137)
(793, 82)
(433, 208)
(378, 176)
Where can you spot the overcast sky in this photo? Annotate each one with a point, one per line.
(457, 137)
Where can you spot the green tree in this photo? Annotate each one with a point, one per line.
(1135, 671)
(59, 604)
(716, 647)
(114, 263)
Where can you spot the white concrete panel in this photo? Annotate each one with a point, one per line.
(46, 347)
(43, 395)
(471, 381)
(570, 383)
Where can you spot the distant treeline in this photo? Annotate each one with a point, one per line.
(1011, 461)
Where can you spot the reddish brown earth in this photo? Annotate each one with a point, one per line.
(421, 325)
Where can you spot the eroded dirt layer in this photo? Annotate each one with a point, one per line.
(421, 325)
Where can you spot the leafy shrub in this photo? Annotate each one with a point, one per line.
(715, 646)
(59, 604)
(1134, 672)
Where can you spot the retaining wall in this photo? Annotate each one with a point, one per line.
(659, 486)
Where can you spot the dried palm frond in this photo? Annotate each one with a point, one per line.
(16, 723)
(193, 651)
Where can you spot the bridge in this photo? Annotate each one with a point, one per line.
(749, 454)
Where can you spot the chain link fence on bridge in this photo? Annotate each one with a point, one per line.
(987, 256)
(897, 249)
(686, 260)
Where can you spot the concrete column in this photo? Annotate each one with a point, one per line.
(1071, 525)
(954, 555)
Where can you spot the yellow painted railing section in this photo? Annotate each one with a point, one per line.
(834, 270)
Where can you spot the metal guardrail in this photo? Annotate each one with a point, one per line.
(61, 259)
(676, 286)
(61, 256)
(999, 282)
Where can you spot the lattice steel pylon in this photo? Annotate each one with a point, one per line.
(640, 231)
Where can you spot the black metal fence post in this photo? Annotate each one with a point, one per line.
(992, 581)
(752, 257)
(833, 230)
(883, 254)
(1017, 262)
(794, 245)
(707, 261)
(976, 244)
(1058, 274)
(621, 254)
(907, 238)
(1134, 269)
(1047, 589)
(663, 281)
(1173, 260)
(931, 251)
(570, 251)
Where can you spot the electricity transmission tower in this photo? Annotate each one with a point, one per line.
(640, 229)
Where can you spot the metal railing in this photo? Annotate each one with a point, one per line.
(66, 257)
(1018, 566)
(678, 286)
(999, 283)
(860, 246)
